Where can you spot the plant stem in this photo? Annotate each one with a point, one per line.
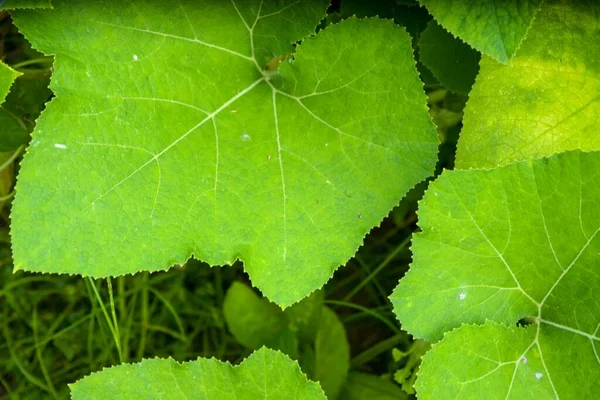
(377, 270)
(376, 350)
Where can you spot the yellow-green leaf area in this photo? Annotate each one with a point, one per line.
(265, 374)
(495, 28)
(514, 244)
(546, 101)
(178, 142)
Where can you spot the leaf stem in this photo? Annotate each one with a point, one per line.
(12, 158)
(377, 270)
(106, 316)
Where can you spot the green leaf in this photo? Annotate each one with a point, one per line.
(305, 316)
(253, 321)
(14, 4)
(332, 354)
(265, 374)
(495, 28)
(451, 61)
(176, 142)
(23, 105)
(518, 243)
(360, 386)
(546, 101)
(7, 77)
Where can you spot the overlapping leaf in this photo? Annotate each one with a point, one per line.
(495, 28)
(265, 374)
(546, 101)
(177, 142)
(7, 77)
(515, 243)
(23, 105)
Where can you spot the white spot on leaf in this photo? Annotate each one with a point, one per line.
(245, 137)
(524, 360)
(60, 146)
(462, 296)
(135, 57)
(539, 375)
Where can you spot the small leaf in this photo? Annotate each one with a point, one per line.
(332, 354)
(546, 101)
(360, 386)
(305, 316)
(7, 77)
(451, 61)
(495, 28)
(176, 142)
(518, 243)
(253, 321)
(265, 374)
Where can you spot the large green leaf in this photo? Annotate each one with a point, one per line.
(168, 139)
(518, 243)
(546, 101)
(265, 374)
(495, 28)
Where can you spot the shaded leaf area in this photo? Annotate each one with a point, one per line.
(505, 245)
(14, 4)
(546, 101)
(307, 331)
(451, 61)
(23, 92)
(174, 165)
(265, 374)
(495, 28)
(23, 105)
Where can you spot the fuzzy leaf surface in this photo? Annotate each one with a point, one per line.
(265, 374)
(495, 28)
(177, 142)
(546, 101)
(515, 243)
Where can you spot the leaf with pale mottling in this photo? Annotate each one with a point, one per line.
(518, 243)
(546, 101)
